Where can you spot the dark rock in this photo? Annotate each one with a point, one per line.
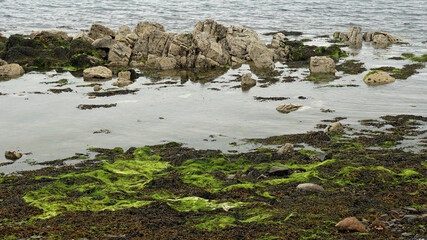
(61, 90)
(254, 174)
(409, 219)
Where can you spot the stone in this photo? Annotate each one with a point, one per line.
(322, 65)
(83, 36)
(161, 63)
(287, 148)
(378, 78)
(55, 34)
(145, 27)
(210, 48)
(287, 108)
(122, 83)
(11, 70)
(311, 187)
(105, 42)
(119, 54)
(278, 38)
(98, 31)
(2, 62)
(278, 171)
(95, 73)
(13, 155)
(334, 127)
(152, 42)
(355, 36)
(409, 219)
(367, 36)
(382, 39)
(125, 76)
(123, 31)
(97, 88)
(378, 225)
(247, 80)
(262, 56)
(351, 224)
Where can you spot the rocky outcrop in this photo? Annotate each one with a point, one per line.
(322, 65)
(11, 70)
(83, 36)
(355, 37)
(378, 78)
(278, 40)
(119, 54)
(98, 31)
(145, 27)
(351, 224)
(97, 73)
(382, 39)
(287, 108)
(105, 42)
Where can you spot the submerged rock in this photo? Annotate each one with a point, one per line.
(99, 72)
(322, 65)
(13, 155)
(97, 88)
(378, 78)
(351, 224)
(11, 70)
(287, 108)
(311, 187)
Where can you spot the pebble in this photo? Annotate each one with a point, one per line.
(310, 187)
(278, 171)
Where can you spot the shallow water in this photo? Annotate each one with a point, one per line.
(50, 126)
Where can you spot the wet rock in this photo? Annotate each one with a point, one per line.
(378, 225)
(278, 171)
(322, 65)
(334, 127)
(355, 37)
(161, 63)
(60, 90)
(92, 106)
(122, 33)
(382, 39)
(99, 72)
(13, 155)
(11, 70)
(145, 27)
(119, 54)
(287, 148)
(125, 76)
(262, 56)
(287, 108)
(378, 78)
(351, 224)
(50, 34)
(98, 31)
(151, 42)
(97, 88)
(210, 49)
(2, 62)
(247, 80)
(351, 67)
(105, 42)
(83, 36)
(278, 38)
(311, 187)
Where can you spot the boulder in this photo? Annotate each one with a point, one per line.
(152, 42)
(322, 65)
(204, 62)
(351, 224)
(2, 62)
(367, 36)
(124, 76)
(95, 73)
(278, 38)
(310, 187)
(355, 36)
(51, 34)
(13, 155)
(238, 39)
(122, 83)
(83, 36)
(262, 56)
(123, 31)
(334, 127)
(105, 42)
(247, 80)
(378, 78)
(210, 48)
(287, 148)
(278, 171)
(145, 27)
(11, 70)
(382, 39)
(98, 31)
(119, 54)
(287, 108)
(161, 63)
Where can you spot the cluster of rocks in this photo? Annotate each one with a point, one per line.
(354, 37)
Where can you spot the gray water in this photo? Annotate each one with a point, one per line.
(50, 126)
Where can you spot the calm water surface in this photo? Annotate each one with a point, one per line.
(50, 126)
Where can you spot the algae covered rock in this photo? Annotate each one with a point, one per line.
(11, 70)
(99, 72)
(378, 78)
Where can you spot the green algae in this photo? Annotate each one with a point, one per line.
(187, 204)
(216, 222)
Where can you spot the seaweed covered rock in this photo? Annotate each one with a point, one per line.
(10, 70)
(51, 34)
(378, 78)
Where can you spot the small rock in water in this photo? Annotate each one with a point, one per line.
(278, 171)
(13, 155)
(351, 224)
(247, 80)
(99, 72)
(310, 187)
(97, 88)
(378, 78)
(322, 65)
(287, 108)
(334, 127)
(124, 76)
(287, 148)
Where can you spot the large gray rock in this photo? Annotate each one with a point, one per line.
(96, 73)
(50, 34)
(13, 155)
(262, 56)
(123, 79)
(355, 36)
(378, 78)
(211, 49)
(382, 39)
(145, 27)
(239, 39)
(83, 36)
(277, 39)
(98, 31)
(247, 80)
(119, 54)
(11, 70)
(104, 42)
(287, 108)
(122, 33)
(161, 63)
(322, 65)
(311, 187)
(152, 42)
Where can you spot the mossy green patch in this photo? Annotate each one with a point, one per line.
(217, 222)
(187, 204)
